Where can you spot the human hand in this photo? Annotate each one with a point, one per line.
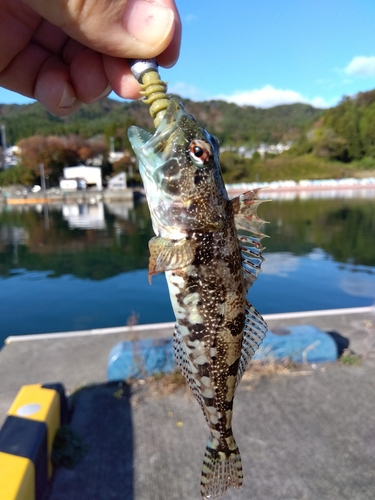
(67, 53)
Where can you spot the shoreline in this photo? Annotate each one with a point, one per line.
(330, 185)
(163, 330)
(298, 188)
(69, 197)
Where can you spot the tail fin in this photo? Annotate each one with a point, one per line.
(222, 468)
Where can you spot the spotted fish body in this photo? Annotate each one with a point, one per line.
(210, 250)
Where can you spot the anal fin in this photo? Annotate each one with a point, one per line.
(185, 366)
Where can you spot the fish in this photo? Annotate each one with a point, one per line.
(210, 249)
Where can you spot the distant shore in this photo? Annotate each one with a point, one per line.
(82, 196)
(304, 186)
(119, 195)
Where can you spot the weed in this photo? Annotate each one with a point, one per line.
(349, 358)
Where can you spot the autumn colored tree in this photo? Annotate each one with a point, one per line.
(56, 153)
(123, 164)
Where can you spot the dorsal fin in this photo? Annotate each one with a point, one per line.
(248, 226)
(254, 332)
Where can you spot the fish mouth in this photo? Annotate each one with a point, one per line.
(148, 146)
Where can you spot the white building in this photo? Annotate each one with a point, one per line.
(72, 184)
(92, 176)
(118, 181)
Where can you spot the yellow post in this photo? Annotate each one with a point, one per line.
(43, 405)
(17, 478)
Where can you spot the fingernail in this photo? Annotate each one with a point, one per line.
(148, 22)
(68, 99)
(105, 93)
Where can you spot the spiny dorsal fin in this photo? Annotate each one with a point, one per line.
(254, 332)
(249, 232)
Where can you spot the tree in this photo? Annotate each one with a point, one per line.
(344, 121)
(234, 167)
(327, 144)
(56, 153)
(119, 132)
(17, 175)
(367, 130)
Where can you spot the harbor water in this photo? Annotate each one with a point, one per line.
(79, 266)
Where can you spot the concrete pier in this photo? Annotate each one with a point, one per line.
(303, 434)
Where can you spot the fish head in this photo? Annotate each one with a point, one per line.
(179, 165)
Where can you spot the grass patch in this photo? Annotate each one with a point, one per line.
(307, 166)
(349, 358)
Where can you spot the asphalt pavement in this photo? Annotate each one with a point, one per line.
(304, 434)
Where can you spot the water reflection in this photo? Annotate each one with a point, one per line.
(84, 216)
(343, 228)
(358, 285)
(115, 235)
(280, 264)
(93, 241)
(68, 267)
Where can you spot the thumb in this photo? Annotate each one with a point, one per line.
(120, 28)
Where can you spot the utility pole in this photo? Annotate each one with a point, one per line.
(3, 146)
(111, 145)
(42, 178)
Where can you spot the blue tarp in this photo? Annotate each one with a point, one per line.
(142, 358)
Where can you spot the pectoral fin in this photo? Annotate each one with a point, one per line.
(166, 255)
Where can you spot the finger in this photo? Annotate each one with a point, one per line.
(88, 76)
(23, 62)
(50, 37)
(170, 56)
(14, 33)
(125, 28)
(21, 73)
(121, 78)
(54, 89)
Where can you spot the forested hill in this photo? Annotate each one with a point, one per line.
(234, 125)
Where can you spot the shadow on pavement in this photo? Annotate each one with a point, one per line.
(101, 416)
(342, 342)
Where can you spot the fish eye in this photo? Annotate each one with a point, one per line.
(200, 151)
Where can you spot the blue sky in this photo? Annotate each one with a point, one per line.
(272, 52)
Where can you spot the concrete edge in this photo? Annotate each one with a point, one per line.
(129, 331)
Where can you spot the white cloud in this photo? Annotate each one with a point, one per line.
(187, 91)
(266, 97)
(317, 254)
(358, 286)
(269, 96)
(361, 66)
(189, 18)
(280, 264)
